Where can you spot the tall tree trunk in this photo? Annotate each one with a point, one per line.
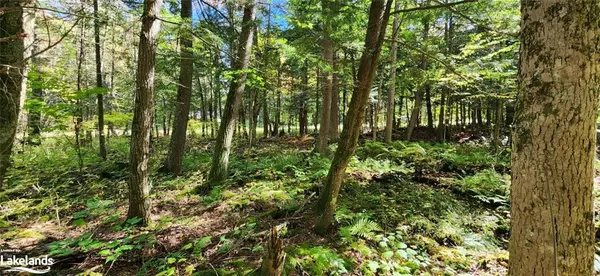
(316, 120)
(303, 113)
(552, 199)
(400, 105)
(323, 139)
(391, 96)
(463, 116)
(99, 83)
(448, 35)
(252, 107)
(17, 34)
(378, 19)
(497, 123)
(344, 93)
(184, 94)
(424, 90)
(479, 114)
(78, 113)
(334, 112)
(429, 106)
(203, 100)
(441, 122)
(375, 110)
(278, 107)
(139, 155)
(220, 159)
(414, 116)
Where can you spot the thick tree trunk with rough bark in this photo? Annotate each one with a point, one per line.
(391, 96)
(99, 83)
(141, 128)
(378, 19)
(552, 200)
(15, 31)
(220, 159)
(184, 94)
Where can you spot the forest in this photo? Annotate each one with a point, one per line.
(299, 137)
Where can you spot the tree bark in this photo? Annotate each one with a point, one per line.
(334, 112)
(99, 83)
(429, 106)
(18, 24)
(441, 122)
(274, 260)
(552, 200)
(184, 94)
(323, 139)
(220, 159)
(139, 155)
(497, 124)
(424, 90)
(278, 107)
(391, 96)
(378, 19)
(375, 110)
(303, 112)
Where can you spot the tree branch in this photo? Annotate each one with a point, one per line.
(422, 8)
(481, 25)
(55, 43)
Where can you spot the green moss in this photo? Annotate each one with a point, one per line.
(23, 234)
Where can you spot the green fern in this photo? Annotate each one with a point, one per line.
(362, 227)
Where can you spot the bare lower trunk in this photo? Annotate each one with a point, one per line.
(378, 18)
(389, 117)
(184, 94)
(497, 123)
(139, 155)
(429, 107)
(334, 121)
(220, 159)
(99, 83)
(376, 106)
(278, 107)
(552, 199)
(414, 116)
(441, 121)
(323, 139)
(13, 66)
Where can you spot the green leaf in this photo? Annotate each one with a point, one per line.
(373, 266)
(79, 222)
(387, 254)
(402, 254)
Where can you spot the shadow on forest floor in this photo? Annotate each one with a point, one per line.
(410, 208)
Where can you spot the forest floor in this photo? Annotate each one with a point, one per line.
(406, 209)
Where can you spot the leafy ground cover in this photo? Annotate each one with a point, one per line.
(406, 209)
